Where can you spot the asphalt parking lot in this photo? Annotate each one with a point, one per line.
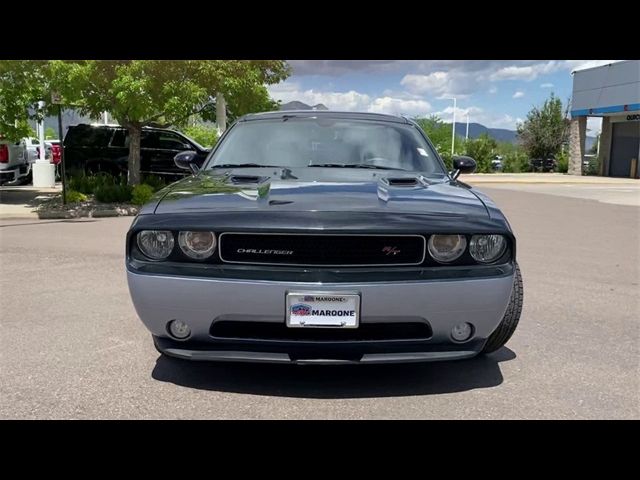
(72, 346)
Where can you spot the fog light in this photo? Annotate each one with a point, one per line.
(179, 329)
(462, 332)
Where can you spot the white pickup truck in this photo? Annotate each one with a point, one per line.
(16, 159)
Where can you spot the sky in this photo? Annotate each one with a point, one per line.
(495, 93)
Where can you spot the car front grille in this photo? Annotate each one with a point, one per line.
(227, 329)
(322, 250)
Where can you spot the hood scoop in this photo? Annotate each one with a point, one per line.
(405, 181)
(246, 179)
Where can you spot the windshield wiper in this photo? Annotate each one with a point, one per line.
(354, 165)
(244, 165)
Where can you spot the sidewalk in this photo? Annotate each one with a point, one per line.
(548, 178)
(20, 202)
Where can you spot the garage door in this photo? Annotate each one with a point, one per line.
(625, 145)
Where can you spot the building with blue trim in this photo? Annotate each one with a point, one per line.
(612, 92)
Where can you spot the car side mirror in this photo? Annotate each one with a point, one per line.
(462, 164)
(187, 161)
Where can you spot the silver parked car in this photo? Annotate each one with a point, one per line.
(324, 237)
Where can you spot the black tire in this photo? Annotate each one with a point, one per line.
(509, 322)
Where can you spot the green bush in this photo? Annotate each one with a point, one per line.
(141, 194)
(205, 135)
(562, 162)
(73, 196)
(88, 184)
(515, 162)
(594, 166)
(113, 193)
(154, 182)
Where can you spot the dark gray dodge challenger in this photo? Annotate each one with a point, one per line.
(324, 237)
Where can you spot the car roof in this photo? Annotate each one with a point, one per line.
(324, 113)
(114, 126)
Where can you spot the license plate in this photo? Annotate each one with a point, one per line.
(331, 310)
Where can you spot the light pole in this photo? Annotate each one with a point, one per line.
(466, 135)
(453, 127)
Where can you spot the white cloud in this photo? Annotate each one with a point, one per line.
(434, 83)
(440, 84)
(546, 85)
(351, 100)
(527, 72)
(392, 102)
(518, 94)
(493, 90)
(398, 106)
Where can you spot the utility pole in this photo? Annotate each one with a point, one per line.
(105, 117)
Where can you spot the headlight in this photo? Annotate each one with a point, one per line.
(446, 248)
(197, 245)
(487, 248)
(155, 244)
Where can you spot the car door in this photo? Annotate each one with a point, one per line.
(161, 147)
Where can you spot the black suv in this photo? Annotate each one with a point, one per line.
(548, 164)
(105, 148)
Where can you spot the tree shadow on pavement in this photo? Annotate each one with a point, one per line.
(339, 381)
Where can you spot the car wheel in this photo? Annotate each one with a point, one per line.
(509, 322)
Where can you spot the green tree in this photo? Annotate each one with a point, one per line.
(162, 93)
(137, 93)
(50, 133)
(22, 84)
(545, 129)
(205, 135)
(482, 150)
(440, 135)
(438, 132)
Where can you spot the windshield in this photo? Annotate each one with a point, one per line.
(326, 142)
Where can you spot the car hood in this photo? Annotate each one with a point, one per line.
(319, 190)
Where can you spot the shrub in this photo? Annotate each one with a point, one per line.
(113, 193)
(594, 166)
(515, 162)
(141, 194)
(562, 162)
(73, 196)
(154, 182)
(88, 184)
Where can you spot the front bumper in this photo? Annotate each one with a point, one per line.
(200, 302)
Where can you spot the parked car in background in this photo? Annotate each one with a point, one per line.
(548, 164)
(15, 162)
(105, 148)
(496, 163)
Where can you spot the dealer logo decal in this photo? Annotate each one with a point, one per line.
(300, 309)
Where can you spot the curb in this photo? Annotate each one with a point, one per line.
(66, 215)
(533, 182)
